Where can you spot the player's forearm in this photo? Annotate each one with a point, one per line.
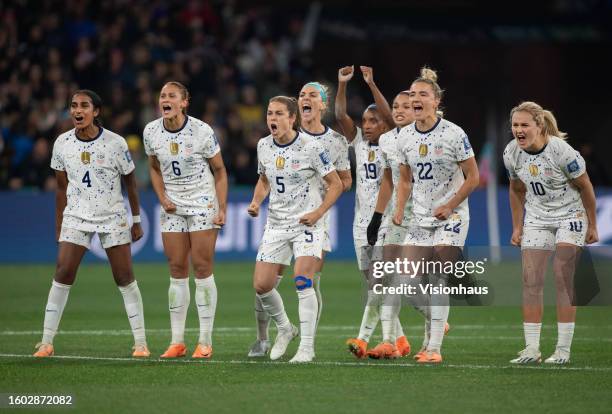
(262, 189)
(221, 187)
(468, 186)
(332, 194)
(132, 193)
(340, 104)
(403, 192)
(517, 203)
(385, 192)
(587, 195)
(347, 180)
(60, 205)
(158, 184)
(382, 105)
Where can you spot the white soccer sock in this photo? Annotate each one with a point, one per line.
(58, 296)
(133, 306)
(272, 303)
(399, 331)
(178, 301)
(439, 316)
(371, 316)
(307, 309)
(317, 287)
(261, 316)
(532, 334)
(427, 332)
(565, 333)
(388, 319)
(206, 301)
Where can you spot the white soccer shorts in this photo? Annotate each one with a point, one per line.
(83, 238)
(279, 246)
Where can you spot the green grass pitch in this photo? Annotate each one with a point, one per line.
(94, 346)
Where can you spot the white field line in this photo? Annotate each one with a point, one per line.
(316, 363)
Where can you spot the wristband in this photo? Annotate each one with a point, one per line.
(136, 219)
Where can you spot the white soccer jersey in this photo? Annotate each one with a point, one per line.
(368, 174)
(293, 170)
(434, 158)
(183, 158)
(550, 198)
(94, 169)
(390, 145)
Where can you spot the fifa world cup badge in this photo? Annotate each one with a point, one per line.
(423, 150)
(371, 156)
(533, 170)
(85, 157)
(174, 148)
(280, 163)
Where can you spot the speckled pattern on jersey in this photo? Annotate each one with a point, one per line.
(337, 146)
(183, 158)
(293, 171)
(434, 158)
(368, 176)
(550, 198)
(390, 145)
(94, 169)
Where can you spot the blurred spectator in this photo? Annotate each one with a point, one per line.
(143, 179)
(595, 168)
(34, 171)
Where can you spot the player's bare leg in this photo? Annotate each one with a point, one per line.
(176, 247)
(120, 258)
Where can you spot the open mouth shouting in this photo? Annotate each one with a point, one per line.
(306, 109)
(273, 128)
(166, 109)
(417, 108)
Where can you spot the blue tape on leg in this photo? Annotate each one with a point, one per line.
(306, 283)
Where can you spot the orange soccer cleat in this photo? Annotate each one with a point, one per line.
(202, 351)
(430, 357)
(357, 347)
(44, 350)
(402, 345)
(175, 351)
(141, 351)
(384, 350)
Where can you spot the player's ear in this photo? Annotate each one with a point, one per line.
(96, 112)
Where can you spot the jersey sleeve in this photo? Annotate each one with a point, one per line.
(343, 163)
(57, 161)
(571, 162)
(123, 158)
(146, 140)
(463, 148)
(319, 158)
(509, 164)
(211, 143)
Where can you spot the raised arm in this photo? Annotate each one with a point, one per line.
(60, 200)
(381, 103)
(132, 193)
(517, 192)
(218, 169)
(346, 123)
(587, 194)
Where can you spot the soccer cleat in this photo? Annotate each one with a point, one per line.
(384, 350)
(259, 348)
(202, 351)
(175, 351)
(140, 351)
(43, 350)
(559, 357)
(430, 357)
(420, 354)
(357, 347)
(402, 345)
(282, 342)
(528, 356)
(303, 355)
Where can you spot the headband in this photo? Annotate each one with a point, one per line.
(320, 88)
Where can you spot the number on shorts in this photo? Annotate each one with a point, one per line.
(455, 229)
(280, 184)
(86, 180)
(175, 168)
(537, 188)
(576, 226)
(309, 236)
(425, 171)
(370, 170)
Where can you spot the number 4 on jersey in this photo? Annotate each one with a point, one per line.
(86, 179)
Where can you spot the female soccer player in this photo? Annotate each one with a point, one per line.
(190, 180)
(312, 103)
(376, 120)
(89, 162)
(290, 165)
(548, 180)
(439, 159)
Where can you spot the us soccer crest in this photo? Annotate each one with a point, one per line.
(280, 163)
(174, 148)
(85, 157)
(371, 156)
(423, 150)
(533, 170)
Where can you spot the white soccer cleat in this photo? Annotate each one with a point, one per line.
(528, 356)
(282, 342)
(260, 348)
(303, 355)
(559, 357)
